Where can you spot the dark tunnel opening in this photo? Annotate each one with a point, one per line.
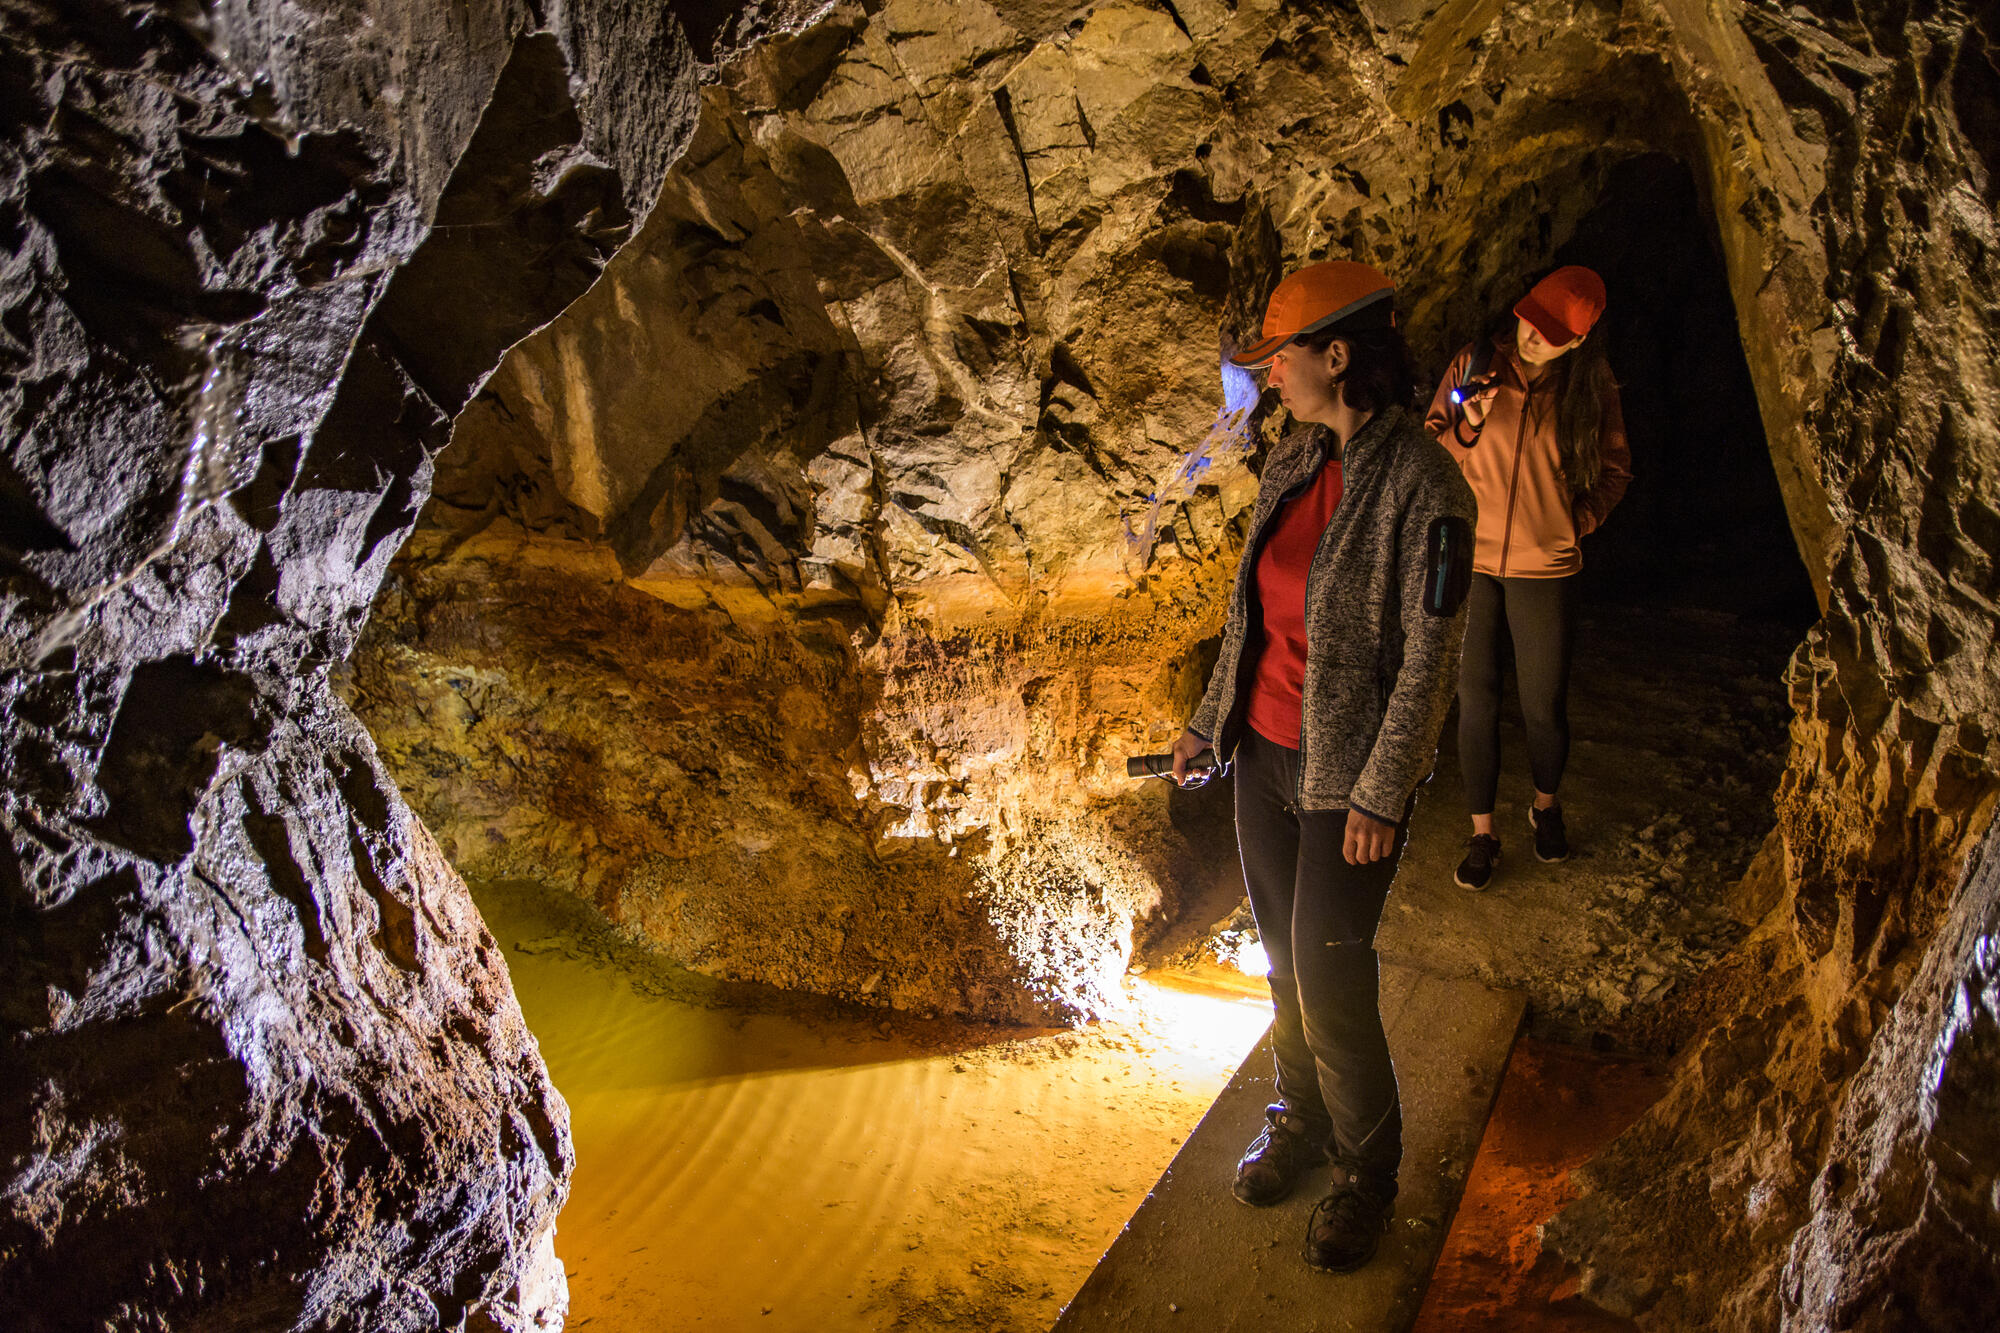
(1703, 525)
(1691, 599)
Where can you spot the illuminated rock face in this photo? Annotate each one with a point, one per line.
(263, 1065)
(900, 411)
(711, 789)
(1901, 1229)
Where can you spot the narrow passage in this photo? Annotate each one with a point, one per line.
(1679, 718)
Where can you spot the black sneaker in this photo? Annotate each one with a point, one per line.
(1347, 1225)
(1286, 1150)
(1482, 853)
(1551, 842)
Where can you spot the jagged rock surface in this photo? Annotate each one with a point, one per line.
(263, 1065)
(917, 361)
(1901, 1233)
(705, 787)
(1891, 783)
(926, 319)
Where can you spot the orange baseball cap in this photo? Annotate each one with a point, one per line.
(1565, 305)
(1337, 294)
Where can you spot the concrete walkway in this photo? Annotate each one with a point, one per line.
(1194, 1260)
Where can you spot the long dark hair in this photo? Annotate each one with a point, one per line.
(1576, 384)
(1378, 374)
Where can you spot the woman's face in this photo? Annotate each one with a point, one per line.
(1536, 350)
(1305, 380)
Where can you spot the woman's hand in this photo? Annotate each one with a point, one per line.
(1185, 749)
(1368, 838)
(1475, 405)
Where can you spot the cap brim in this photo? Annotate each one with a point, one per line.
(1376, 310)
(1373, 311)
(1258, 354)
(1552, 329)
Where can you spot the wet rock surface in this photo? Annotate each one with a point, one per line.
(263, 1063)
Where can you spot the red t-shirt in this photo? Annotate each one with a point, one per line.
(1277, 694)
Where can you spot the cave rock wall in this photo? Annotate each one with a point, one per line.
(263, 1065)
(905, 414)
(887, 432)
(1807, 1169)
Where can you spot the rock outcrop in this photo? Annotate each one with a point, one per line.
(1749, 1198)
(1901, 1231)
(263, 1065)
(709, 788)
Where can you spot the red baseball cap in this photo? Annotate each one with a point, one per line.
(1337, 294)
(1565, 305)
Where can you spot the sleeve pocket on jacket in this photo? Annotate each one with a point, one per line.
(1447, 565)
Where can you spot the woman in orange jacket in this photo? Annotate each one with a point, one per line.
(1533, 418)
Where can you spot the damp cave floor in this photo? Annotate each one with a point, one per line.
(746, 1161)
(1679, 727)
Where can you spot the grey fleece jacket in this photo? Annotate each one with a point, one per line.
(1380, 670)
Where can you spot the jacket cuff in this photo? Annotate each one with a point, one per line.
(1355, 805)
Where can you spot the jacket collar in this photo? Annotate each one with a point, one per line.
(1508, 352)
(1304, 451)
(1377, 429)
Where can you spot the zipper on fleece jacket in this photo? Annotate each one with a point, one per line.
(1299, 770)
(1514, 478)
(1513, 483)
(1299, 775)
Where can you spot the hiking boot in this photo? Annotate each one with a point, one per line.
(1348, 1224)
(1286, 1150)
(1551, 841)
(1482, 853)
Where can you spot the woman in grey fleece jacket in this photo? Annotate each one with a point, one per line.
(1329, 695)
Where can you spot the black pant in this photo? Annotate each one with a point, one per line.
(1317, 916)
(1540, 615)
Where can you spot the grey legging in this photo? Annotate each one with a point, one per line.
(1540, 616)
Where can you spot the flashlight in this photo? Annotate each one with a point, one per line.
(1200, 768)
(1478, 373)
